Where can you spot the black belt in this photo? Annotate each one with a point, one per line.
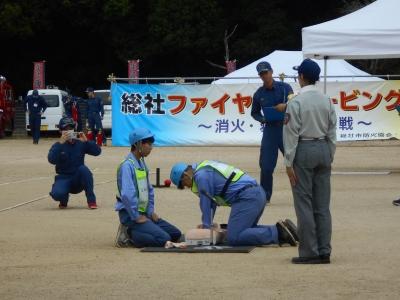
(245, 188)
(322, 138)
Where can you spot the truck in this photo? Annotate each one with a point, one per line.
(7, 108)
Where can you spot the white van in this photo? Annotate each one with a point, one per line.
(55, 110)
(106, 97)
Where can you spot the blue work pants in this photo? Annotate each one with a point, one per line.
(245, 214)
(35, 120)
(149, 233)
(271, 142)
(74, 184)
(94, 121)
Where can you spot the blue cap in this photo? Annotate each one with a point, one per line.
(177, 172)
(309, 69)
(263, 67)
(139, 134)
(89, 90)
(65, 122)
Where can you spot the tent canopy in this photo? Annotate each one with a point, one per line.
(283, 62)
(370, 32)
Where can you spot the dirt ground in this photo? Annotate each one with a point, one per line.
(47, 253)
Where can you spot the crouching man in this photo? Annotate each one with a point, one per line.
(68, 155)
(219, 184)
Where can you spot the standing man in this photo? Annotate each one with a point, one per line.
(310, 142)
(269, 103)
(140, 225)
(69, 157)
(94, 114)
(35, 106)
(72, 110)
(219, 184)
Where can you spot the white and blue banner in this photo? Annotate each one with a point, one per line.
(185, 114)
(213, 114)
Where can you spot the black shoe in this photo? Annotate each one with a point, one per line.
(396, 202)
(325, 258)
(315, 260)
(284, 235)
(292, 228)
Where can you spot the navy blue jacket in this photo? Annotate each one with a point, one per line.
(36, 105)
(94, 105)
(68, 157)
(264, 97)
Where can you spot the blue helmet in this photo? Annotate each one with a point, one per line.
(35, 93)
(139, 134)
(177, 172)
(65, 122)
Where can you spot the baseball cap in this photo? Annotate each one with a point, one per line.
(263, 67)
(309, 69)
(89, 89)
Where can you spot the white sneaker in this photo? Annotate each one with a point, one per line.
(122, 240)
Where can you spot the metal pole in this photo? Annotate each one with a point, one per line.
(325, 72)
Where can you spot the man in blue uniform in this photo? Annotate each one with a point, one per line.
(269, 103)
(218, 184)
(140, 225)
(95, 113)
(68, 155)
(36, 106)
(73, 110)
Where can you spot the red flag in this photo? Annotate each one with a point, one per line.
(38, 75)
(133, 70)
(230, 66)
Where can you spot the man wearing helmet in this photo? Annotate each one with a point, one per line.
(219, 184)
(68, 156)
(269, 104)
(140, 225)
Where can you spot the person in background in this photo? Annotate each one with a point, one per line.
(94, 115)
(35, 105)
(269, 103)
(73, 110)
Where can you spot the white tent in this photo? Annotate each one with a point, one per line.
(370, 32)
(283, 62)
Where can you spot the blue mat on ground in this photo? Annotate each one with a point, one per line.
(201, 249)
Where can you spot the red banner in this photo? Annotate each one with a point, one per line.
(133, 70)
(230, 66)
(38, 75)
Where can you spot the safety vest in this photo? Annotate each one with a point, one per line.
(141, 186)
(231, 173)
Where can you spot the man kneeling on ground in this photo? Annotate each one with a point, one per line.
(218, 184)
(140, 225)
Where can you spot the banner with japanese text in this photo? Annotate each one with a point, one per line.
(220, 114)
(185, 114)
(366, 110)
(38, 75)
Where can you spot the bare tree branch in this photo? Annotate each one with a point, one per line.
(226, 38)
(215, 65)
